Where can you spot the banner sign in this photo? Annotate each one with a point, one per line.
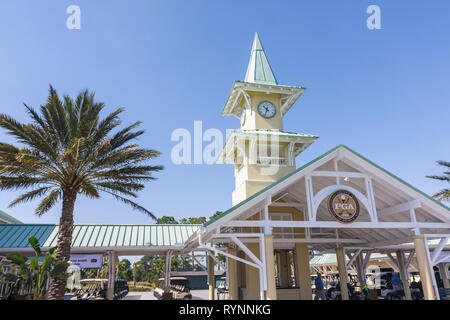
(343, 206)
(87, 261)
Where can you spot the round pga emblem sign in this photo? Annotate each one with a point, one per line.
(343, 206)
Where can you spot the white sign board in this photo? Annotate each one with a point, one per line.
(86, 261)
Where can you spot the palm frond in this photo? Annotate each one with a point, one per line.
(29, 196)
(134, 205)
(442, 178)
(48, 202)
(443, 195)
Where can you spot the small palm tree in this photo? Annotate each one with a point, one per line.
(66, 151)
(35, 273)
(445, 193)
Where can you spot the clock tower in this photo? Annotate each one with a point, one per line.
(260, 150)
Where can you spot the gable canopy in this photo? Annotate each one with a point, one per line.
(390, 208)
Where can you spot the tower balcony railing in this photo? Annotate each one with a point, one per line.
(268, 161)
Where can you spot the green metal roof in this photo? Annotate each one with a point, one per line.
(16, 236)
(312, 162)
(259, 70)
(9, 219)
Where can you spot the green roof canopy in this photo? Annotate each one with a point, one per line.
(98, 236)
(259, 70)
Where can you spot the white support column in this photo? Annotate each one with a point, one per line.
(262, 270)
(267, 229)
(424, 266)
(340, 257)
(404, 274)
(361, 270)
(232, 275)
(211, 278)
(433, 277)
(168, 261)
(271, 292)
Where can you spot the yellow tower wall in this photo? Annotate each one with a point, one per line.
(254, 120)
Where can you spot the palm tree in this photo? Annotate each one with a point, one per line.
(445, 193)
(67, 150)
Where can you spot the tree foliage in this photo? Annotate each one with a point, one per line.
(36, 273)
(444, 194)
(66, 146)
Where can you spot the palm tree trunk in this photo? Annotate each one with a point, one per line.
(64, 242)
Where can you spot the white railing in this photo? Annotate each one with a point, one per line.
(262, 160)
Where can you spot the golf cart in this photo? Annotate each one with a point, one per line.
(334, 292)
(222, 289)
(95, 289)
(91, 289)
(179, 288)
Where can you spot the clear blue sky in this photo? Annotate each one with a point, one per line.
(384, 93)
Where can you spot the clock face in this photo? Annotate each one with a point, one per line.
(266, 109)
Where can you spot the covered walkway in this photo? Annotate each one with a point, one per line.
(110, 240)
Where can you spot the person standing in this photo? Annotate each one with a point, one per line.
(319, 292)
(395, 280)
(397, 286)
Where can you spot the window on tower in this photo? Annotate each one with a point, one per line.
(268, 154)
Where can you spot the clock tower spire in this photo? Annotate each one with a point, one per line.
(261, 151)
(259, 70)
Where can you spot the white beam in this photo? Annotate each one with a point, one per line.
(338, 174)
(352, 258)
(297, 240)
(438, 249)
(366, 259)
(286, 204)
(409, 259)
(402, 207)
(229, 255)
(337, 225)
(247, 251)
(443, 258)
(394, 261)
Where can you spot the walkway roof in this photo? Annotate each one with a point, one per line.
(124, 239)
